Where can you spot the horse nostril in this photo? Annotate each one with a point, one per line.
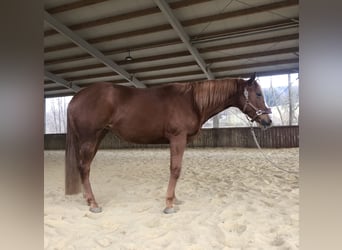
(266, 123)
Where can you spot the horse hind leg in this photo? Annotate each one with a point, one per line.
(87, 153)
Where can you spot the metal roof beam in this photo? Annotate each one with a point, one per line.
(181, 64)
(174, 54)
(116, 18)
(91, 50)
(73, 5)
(57, 93)
(61, 81)
(165, 8)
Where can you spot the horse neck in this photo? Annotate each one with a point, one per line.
(212, 97)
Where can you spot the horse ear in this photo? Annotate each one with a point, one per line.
(252, 79)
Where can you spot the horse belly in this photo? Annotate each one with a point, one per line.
(139, 135)
(139, 128)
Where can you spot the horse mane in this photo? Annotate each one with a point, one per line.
(211, 93)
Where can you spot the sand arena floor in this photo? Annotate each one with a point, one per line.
(233, 199)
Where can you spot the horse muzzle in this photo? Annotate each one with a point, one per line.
(264, 121)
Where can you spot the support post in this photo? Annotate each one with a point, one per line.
(290, 99)
(216, 121)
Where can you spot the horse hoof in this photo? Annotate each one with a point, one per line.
(169, 210)
(95, 209)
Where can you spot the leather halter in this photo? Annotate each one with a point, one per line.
(258, 112)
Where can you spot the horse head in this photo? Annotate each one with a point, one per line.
(252, 103)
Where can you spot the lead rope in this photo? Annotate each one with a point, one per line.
(265, 156)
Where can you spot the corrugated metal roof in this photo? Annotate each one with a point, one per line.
(233, 37)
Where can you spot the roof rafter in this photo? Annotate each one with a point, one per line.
(61, 81)
(57, 93)
(241, 31)
(186, 63)
(224, 69)
(190, 72)
(73, 5)
(91, 50)
(165, 8)
(124, 16)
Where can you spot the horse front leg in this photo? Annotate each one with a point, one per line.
(177, 147)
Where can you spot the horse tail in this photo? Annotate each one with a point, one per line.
(72, 173)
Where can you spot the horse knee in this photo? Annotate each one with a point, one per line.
(175, 172)
(84, 171)
(87, 149)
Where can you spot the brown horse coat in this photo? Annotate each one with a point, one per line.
(172, 113)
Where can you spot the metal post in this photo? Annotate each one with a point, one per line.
(290, 99)
(216, 121)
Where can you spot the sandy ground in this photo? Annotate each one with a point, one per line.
(233, 199)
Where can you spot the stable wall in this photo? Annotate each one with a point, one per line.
(275, 137)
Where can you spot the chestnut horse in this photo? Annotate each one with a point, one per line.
(172, 114)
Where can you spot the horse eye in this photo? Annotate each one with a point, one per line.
(258, 94)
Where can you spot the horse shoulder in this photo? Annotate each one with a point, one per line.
(183, 118)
